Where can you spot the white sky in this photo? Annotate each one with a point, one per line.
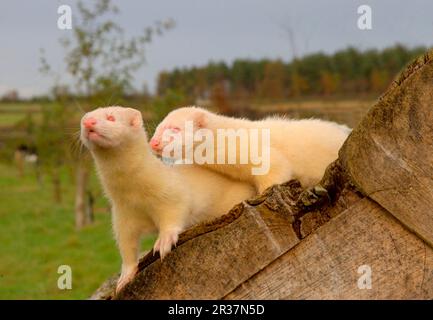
(211, 30)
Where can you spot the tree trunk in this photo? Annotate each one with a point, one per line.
(57, 185)
(19, 162)
(81, 204)
(90, 218)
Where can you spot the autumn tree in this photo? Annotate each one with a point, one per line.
(220, 97)
(379, 79)
(329, 83)
(53, 142)
(272, 85)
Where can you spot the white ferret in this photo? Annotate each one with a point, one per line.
(300, 149)
(145, 194)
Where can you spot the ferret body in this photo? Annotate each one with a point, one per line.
(147, 195)
(300, 149)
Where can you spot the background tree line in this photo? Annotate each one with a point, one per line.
(347, 72)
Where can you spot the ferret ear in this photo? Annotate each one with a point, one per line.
(136, 119)
(200, 119)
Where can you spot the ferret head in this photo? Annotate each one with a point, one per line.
(110, 127)
(175, 122)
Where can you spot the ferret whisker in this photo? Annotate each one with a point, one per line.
(76, 132)
(80, 150)
(73, 128)
(109, 100)
(74, 146)
(151, 127)
(106, 102)
(78, 106)
(71, 132)
(76, 143)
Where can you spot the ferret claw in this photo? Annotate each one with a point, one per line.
(165, 242)
(125, 278)
(156, 246)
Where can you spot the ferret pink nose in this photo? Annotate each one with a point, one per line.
(154, 143)
(89, 122)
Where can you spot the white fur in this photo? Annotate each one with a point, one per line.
(147, 195)
(300, 149)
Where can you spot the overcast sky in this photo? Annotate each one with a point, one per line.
(211, 30)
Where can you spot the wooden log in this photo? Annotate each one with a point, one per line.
(325, 265)
(389, 156)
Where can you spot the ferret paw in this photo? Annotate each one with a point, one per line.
(165, 242)
(125, 277)
(313, 196)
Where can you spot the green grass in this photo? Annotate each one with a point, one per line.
(19, 106)
(37, 236)
(9, 119)
(13, 112)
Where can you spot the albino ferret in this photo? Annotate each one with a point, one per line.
(145, 194)
(300, 149)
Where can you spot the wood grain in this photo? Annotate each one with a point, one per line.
(325, 264)
(389, 156)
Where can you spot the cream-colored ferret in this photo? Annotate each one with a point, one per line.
(300, 149)
(145, 194)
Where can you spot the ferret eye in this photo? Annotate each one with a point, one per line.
(111, 118)
(175, 129)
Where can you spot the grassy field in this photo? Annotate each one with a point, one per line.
(11, 113)
(37, 236)
(349, 111)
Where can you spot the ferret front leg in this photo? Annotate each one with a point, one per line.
(171, 224)
(128, 240)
